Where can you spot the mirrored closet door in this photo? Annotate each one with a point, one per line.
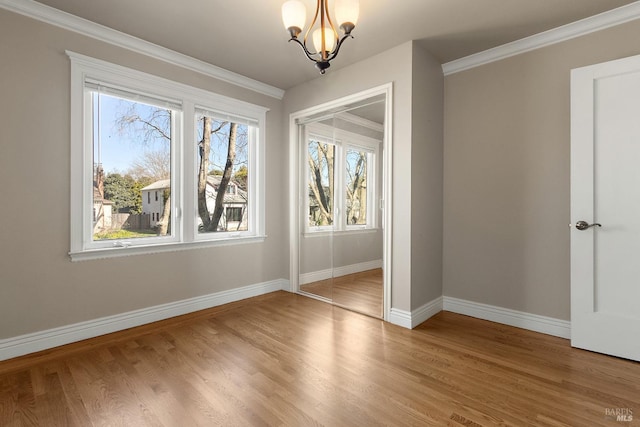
(340, 233)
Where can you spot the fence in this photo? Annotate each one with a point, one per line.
(127, 221)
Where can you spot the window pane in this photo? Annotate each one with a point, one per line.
(356, 189)
(321, 161)
(223, 175)
(131, 169)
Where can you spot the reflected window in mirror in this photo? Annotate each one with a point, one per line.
(321, 156)
(340, 170)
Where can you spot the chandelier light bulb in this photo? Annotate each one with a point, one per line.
(294, 16)
(347, 12)
(329, 39)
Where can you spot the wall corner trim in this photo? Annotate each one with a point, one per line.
(519, 319)
(400, 318)
(67, 21)
(44, 340)
(583, 27)
(412, 319)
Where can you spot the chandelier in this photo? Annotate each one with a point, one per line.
(326, 39)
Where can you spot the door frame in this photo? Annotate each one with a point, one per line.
(387, 173)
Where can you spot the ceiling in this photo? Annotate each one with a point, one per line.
(247, 36)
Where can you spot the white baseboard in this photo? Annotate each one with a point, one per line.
(519, 319)
(357, 268)
(316, 276)
(412, 319)
(505, 316)
(285, 285)
(43, 340)
(425, 312)
(400, 318)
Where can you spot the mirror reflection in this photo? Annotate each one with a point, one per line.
(341, 239)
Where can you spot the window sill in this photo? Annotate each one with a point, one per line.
(104, 253)
(354, 231)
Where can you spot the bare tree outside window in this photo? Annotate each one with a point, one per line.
(321, 160)
(356, 187)
(223, 154)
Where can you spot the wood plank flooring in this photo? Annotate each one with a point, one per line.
(284, 359)
(361, 292)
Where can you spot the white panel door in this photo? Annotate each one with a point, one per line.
(605, 189)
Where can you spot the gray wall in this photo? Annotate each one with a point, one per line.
(319, 253)
(426, 178)
(506, 175)
(40, 288)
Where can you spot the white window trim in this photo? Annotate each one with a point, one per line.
(184, 233)
(343, 140)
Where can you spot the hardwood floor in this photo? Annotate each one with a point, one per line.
(361, 292)
(284, 359)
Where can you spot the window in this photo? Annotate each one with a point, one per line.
(341, 180)
(234, 214)
(129, 138)
(226, 147)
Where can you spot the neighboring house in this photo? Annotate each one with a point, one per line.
(102, 212)
(152, 200)
(233, 218)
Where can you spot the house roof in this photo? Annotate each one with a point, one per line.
(158, 185)
(240, 197)
(213, 181)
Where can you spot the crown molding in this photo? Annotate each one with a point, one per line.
(583, 27)
(67, 21)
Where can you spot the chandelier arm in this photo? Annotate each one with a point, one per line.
(313, 22)
(338, 45)
(333, 27)
(304, 49)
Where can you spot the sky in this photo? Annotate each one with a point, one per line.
(119, 148)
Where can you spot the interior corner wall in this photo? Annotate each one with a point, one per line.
(506, 174)
(426, 178)
(367, 74)
(40, 288)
